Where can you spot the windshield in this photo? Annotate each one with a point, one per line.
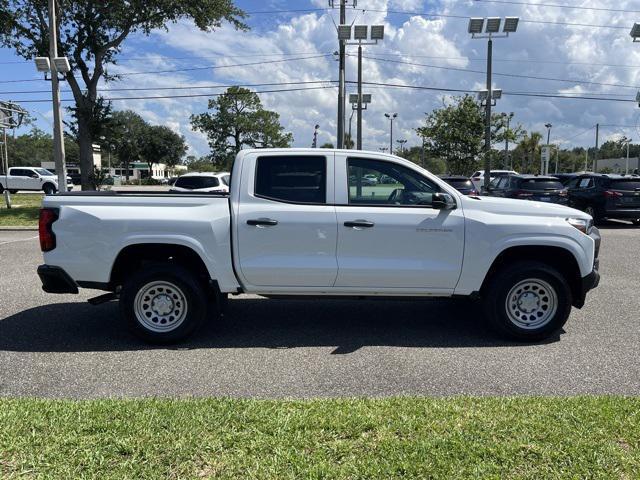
(43, 172)
(541, 184)
(193, 183)
(459, 183)
(226, 179)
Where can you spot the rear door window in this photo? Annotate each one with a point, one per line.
(193, 183)
(292, 179)
(585, 183)
(625, 184)
(541, 184)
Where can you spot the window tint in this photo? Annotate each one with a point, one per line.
(403, 187)
(585, 183)
(296, 179)
(193, 183)
(460, 183)
(625, 184)
(503, 182)
(541, 184)
(573, 183)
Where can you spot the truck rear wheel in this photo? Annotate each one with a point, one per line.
(527, 301)
(49, 189)
(163, 303)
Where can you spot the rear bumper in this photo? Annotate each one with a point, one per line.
(56, 280)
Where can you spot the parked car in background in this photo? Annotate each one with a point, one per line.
(529, 187)
(171, 181)
(461, 183)
(478, 177)
(565, 177)
(202, 182)
(606, 196)
(31, 178)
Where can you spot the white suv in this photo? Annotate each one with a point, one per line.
(31, 178)
(202, 182)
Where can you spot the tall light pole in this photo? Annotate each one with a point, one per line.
(391, 117)
(314, 144)
(359, 102)
(626, 169)
(476, 27)
(341, 72)
(401, 143)
(508, 116)
(383, 149)
(545, 168)
(361, 37)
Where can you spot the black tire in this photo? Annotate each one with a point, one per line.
(48, 189)
(2, 190)
(180, 286)
(590, 210)
(13, 192)
(518, 320)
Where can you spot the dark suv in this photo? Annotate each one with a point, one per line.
(529, 187)
(606, 196)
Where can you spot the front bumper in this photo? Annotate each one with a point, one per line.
(56, 280)
(590, 281)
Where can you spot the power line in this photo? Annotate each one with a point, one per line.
(185, 87)
(555, 5)
(512, 75)
(158, 97)
(190, 69)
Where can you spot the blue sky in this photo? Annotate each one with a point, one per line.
(418, 50)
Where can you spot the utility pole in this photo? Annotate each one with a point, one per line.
(422, 154)
(359, 120)
(595, 154)
(341, 77)
(487, 128)
(58, 143)
(626, 169)
(545, 166)
(315, 137)
(506, 140)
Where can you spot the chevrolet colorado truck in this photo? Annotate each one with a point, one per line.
(310, 222)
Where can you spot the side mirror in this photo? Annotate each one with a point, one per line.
(443, 201)
(34, 175)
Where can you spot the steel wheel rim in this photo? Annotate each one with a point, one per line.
(590, 211)
(160, 306)
(531, 303)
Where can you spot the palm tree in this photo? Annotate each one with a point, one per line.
(530, 146)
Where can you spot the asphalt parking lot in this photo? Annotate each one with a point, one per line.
(60, 346)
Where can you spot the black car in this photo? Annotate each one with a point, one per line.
(540, 188)
(606, 196)
(461, 183)
(566, 177)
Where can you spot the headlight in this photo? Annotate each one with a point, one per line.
(581, 224)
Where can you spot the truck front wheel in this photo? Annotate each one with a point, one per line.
(163, 303)
(527, 301)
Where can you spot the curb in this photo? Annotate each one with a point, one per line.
(18, 229)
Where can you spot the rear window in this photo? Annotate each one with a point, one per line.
(193, 183)
(541, 184)
(625, 184)
(295, 179)
(459, 183)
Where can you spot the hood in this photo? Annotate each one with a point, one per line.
(511, 206)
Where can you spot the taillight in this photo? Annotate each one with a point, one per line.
(612, 194)
(523, 194)
(47, 237)
(473, 192)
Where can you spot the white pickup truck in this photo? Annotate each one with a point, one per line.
(306, 222)
(31, 178)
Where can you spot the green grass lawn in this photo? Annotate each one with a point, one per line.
(24, 212)
(536, 438)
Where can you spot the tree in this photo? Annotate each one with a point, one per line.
(455, 134)
(529, 152)
(124, 132)
(238, 120)
(327, 145)
(160, 144)
(91, 36)
(33, 148)
(414, 154)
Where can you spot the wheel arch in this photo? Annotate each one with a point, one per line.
(135, 255)
(557, 257)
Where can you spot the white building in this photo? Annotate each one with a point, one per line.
(619, 165)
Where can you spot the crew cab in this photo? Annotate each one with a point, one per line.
(306, 222)
(31, 178)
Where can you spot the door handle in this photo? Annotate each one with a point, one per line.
(262, 222)
(359, 224)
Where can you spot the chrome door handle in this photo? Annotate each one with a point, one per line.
(359, 224)
(262, 222)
